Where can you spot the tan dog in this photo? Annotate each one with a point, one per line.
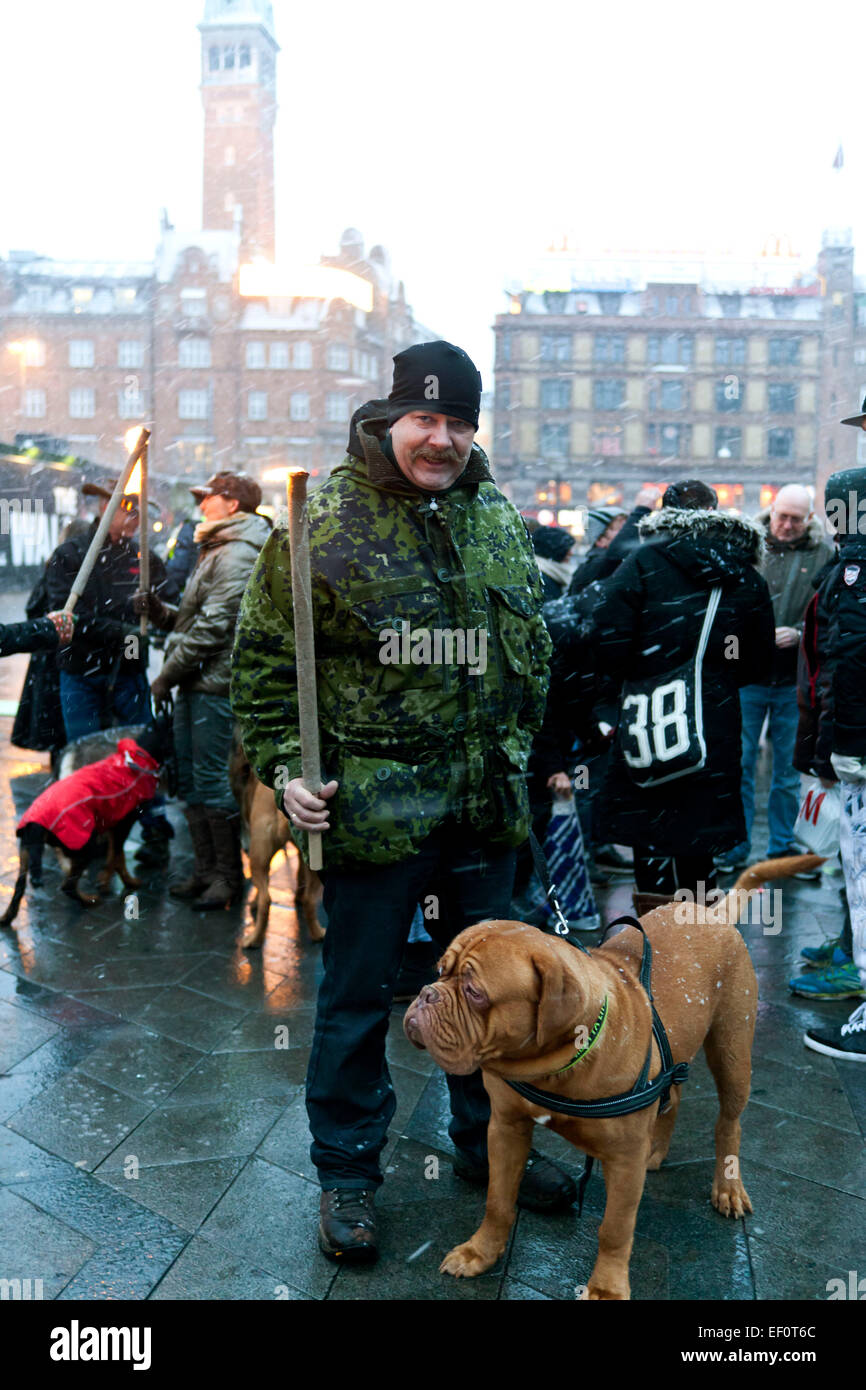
(515, 1001)
(265, 831)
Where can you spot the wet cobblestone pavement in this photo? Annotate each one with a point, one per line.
(150, 1046)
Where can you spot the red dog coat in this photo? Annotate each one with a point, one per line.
(95, 797)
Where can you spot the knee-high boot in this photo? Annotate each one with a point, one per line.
(225, 886)
(205, 857)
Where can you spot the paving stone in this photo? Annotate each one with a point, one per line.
(275, 1075)
(36, 1246)
(792, 1144)
(241, 980)
(783, 1275)
(133, 1246)
(126, 1003)
(20, 1034)
(854, 1081)
(80, 1119)
(190, 1017)
(140, 1063)
(259, 1032)
(513, 1291)
(182, 1133)
(270, 1217)
(20, 1160)
(206, 1271)
(557, 1254)
(807, 1218)
(183, 1192)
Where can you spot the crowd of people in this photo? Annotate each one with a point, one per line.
(649, 665)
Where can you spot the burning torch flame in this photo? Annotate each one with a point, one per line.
(130, 439)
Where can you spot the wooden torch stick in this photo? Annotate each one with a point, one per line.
(84, 573)
(143, 537)
(305, 651)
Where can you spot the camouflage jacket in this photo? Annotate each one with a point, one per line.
(411, 741)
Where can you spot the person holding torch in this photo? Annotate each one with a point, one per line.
(431, 677)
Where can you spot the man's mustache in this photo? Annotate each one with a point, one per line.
(438, 455)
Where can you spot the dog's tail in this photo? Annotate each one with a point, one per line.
(735, 906)
(20, 884)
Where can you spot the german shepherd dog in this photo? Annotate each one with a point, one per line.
(265, 831)
(133, 789)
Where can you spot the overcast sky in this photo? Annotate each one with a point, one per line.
(461, 134)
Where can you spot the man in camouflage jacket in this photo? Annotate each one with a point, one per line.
(431, 663)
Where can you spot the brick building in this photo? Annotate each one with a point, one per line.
(631, 369)
(224, 376)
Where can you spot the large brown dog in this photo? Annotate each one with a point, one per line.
(518, 1003)
(265, 831)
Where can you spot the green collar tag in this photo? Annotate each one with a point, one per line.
(594, 1034)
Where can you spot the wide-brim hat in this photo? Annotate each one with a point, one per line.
(856, 419)
(106, 491)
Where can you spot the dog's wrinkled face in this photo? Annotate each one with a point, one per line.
(501, 993)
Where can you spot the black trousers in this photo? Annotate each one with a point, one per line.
(350, 1099)
(655, 872)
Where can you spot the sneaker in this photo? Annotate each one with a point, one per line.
(730, 863)
(544, 1186)
(848, 1042)
(834, 982)
(608, 857)
(347, 1225)
(828, 953)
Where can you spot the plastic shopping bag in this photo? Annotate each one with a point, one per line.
(563, 850)
(816, 830)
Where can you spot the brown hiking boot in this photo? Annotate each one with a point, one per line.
(205, 858)
(227, 880)
(347, 1225)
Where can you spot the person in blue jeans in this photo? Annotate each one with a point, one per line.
(103, 675)
(797, 548)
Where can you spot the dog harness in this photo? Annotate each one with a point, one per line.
(644, 1092)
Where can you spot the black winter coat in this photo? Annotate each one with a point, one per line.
(831, 676)
(39, 718)
(104, 611)
(647, 623)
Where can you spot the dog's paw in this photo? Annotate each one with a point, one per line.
(596, 1294)
(252, 938)
(730, 1198)
(465, 1261)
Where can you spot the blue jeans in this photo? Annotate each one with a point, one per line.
(780, 702)
(203, 727)
(350, 1099)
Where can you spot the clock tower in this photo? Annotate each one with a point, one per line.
(238, 88)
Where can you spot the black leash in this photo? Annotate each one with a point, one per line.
(561, 927)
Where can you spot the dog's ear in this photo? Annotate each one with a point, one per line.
(558, 999)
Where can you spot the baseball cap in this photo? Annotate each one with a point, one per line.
(241, 486)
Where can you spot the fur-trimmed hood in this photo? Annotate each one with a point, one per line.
(711, 546)
(815, 532)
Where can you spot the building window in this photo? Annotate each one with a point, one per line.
(782, 397)
(729, 442)
(607, 442)
(34, 353)
(336, 407)
(229, 155)
(302, 355)
(244, 56)
(193, 405)
(130, 405)
(505, 347)
(730, 305)
(130, 354)
(213, 59)
(337, 357)
(228, 57)
(556, 394)
(784, 352)
(860, 357)
(672, 305)
(609, 302)
(81, 352)
(780, 444)
(255, 355)
(257, 405)
(729, 396)
(299, 405)
(554, 442)
(503, 395)
(279, 355)
(82, 403)
(608, 393)
(673, 349)
(609, 347)
(730, 352)
(673, 395)
(82, 294)
(193, 303)
(556, 347)
(672, 441)
(193, 352)
(34, 404)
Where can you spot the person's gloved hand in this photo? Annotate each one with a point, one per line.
(160, 689)
(64, 623)
(146, 603)
(848, 769)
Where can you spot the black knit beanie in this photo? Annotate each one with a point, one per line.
(438, 378)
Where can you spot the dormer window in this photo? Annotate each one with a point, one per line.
(244, 58)
(228, 58)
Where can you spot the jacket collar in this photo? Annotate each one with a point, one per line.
(675, 522)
